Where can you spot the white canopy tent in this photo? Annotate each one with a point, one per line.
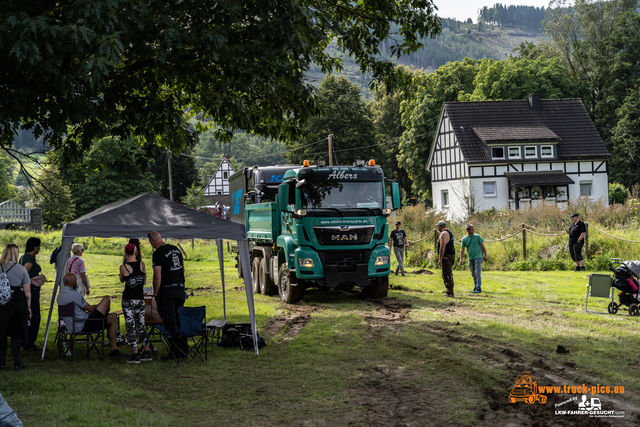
(135, 217)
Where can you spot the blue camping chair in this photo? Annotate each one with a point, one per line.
(193, 332)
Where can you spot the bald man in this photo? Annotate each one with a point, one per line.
(89, 318)
(168, 288)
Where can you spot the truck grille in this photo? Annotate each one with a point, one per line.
(343, 235)
(343, 260)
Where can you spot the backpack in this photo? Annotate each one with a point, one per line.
(54, 255)
(5, 286)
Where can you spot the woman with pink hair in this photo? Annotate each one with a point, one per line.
(134, 276)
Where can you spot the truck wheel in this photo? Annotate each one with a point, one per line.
(267, 287)
(255, 275)
(288, 293)
(379, 288)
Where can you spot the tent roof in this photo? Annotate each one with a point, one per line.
(136, 216)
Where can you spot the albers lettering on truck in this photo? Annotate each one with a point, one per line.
(317, 226)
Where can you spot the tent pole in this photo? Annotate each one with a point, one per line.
(224, 298)
(61, 263)
(243, 252)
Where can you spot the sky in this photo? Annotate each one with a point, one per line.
(463, 9)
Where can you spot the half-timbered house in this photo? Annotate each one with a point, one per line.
(217, 188)
(516, 154)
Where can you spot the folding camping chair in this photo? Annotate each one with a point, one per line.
(193, 332)
(66, 334)
(600, 286)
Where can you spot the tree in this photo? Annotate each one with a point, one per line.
(194, 198)
(626, 142)
(517, 78)
(50, 194)
(7, 189)
(420, 115)
(347, 117)
(74, 71)
(111, 170)
(389, 129)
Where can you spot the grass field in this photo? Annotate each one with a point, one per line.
(414, 358)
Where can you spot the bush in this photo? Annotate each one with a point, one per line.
(617, 193)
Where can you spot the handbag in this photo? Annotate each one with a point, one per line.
(38, 280)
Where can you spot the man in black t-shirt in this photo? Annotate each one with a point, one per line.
(398, 238)
(577, 233)
(168, 287)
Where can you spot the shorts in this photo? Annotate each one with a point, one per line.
(95, 322)
(575, 249)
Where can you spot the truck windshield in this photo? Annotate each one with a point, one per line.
(341, 195)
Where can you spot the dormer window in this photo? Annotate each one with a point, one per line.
(546, 151)
(530, 152)
(514, 152)
(497, 153)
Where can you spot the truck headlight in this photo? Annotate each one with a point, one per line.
(305, 262)
(382, 260)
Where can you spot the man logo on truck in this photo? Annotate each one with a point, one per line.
(526, 390)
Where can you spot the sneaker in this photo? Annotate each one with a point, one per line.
(396, 273)
(583, 269)
(135, 359)
(449, 296)
(403, 275)
(20, 367)
(146, 357)
(576, 269)
(117, 354)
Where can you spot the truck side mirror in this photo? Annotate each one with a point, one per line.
(395, 195)
(283, 197)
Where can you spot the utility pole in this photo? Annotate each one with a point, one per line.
(170, 175)
(330, 156)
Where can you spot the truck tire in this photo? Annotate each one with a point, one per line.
(267, 286)
(288, 293)
(255, 275)
(379, 288)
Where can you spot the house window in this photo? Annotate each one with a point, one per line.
(445, 198)
(225, 175)
(585, 189)
(489, 189)
(497, 152)
(530, 152)
(514, 152)
(546, 151)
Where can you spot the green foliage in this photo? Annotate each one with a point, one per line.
(7, 189)
(347, 117)
(135, 66)
(617, 193)
(183, 170)
(194, 197)
(112, 169)
(53, 196)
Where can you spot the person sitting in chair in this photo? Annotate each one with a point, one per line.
(89, 318)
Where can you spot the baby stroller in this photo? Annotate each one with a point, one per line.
(625, 275)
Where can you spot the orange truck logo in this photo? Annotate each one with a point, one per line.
(526, 390)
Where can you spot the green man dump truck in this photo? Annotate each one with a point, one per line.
(315, 226)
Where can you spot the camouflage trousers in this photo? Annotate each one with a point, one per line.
(133, 311)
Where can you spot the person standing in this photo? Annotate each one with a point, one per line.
(577, 232)
(477, 253)
(446, 257)
(398, 239)
(14, 314)
(134, 276)
(77, 267)
(28, 260)
(169, 289)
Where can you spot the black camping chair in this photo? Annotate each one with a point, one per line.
(66, 334)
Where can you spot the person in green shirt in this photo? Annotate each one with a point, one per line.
(477, 253)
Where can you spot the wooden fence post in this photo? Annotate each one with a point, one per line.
(586, 240)
(193, 243)
(524, 242)
(435, 241)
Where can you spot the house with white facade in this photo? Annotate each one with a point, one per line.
(217, 188)
(516, 154)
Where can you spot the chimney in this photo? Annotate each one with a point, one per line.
(535, 103)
